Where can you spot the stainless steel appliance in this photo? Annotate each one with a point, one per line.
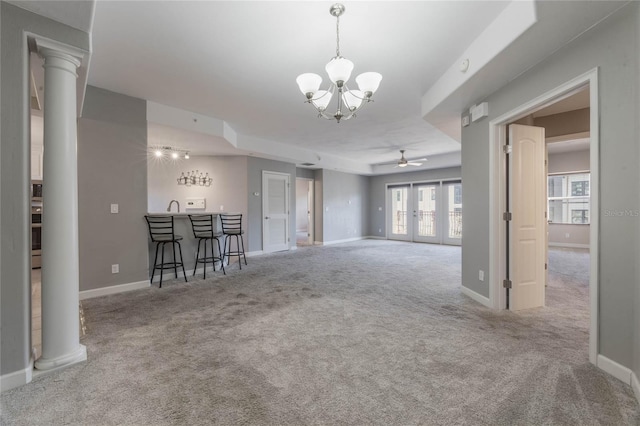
(36, 190)
(36, 224)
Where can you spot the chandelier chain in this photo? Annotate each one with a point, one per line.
(338, 36)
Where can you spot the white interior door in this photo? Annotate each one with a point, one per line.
(452, 213)
(275, 209)
(527, 227)
(426, 222)
(310, 207)
(399, 224)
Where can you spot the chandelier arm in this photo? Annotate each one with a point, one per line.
(324, 115)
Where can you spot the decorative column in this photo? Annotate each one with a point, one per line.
(60, 266)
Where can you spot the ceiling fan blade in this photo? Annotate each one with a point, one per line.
(419, 159)
(411, 163)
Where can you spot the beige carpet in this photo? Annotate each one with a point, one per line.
(371, 332)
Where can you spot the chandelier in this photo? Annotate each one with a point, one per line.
(194, 178)
(339, 70)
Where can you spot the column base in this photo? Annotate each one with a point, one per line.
(64, 361)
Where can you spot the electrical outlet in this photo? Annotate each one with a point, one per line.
(481, 275)
(380, 230)
(114, 208)
(379, 209)
(115, 269)
(567, 235)
(221, 208)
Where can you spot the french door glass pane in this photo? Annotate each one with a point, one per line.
(454, 210)
(426, 211)
(399, 210)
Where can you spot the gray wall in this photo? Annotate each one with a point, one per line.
(636, 329)
(612, 47)
(255, 166)
(112, 168)
(15, 175)
(345, 198)
(564, 162)
(228, 187)
(378, 224)
(305, 173)
(565, 123)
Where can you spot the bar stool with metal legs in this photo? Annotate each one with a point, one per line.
(232, 227)
(203, 230)
(161, 231)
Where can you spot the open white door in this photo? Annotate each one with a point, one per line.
(275, 209)
(527, 227)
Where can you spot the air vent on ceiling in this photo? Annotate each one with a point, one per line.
(307, 164)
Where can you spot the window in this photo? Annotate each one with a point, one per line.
(568, 198)
(457, 194)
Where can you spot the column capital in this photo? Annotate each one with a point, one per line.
(47, 49)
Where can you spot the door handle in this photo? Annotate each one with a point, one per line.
(266, 217)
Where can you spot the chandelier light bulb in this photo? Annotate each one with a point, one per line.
(174, 155)
(186, 156)
(158, 153)
(309, 83)
(353, 99)
(339, 70)
(321, 99)
(368, 82)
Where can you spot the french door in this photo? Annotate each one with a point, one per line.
(425, 212)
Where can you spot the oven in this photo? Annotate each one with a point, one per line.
(36, 237)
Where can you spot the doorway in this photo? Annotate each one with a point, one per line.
(499, 246)
(426, 212)
(275, 211)
(304, 211)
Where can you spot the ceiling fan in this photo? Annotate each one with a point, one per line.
(403, 162)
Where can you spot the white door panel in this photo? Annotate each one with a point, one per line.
(426, 205)
(528, 225)
(275, 209)
(399, 223)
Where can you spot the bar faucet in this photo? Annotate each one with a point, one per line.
(171, 202)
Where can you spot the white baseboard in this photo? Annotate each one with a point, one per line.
(120, 288)
(347, 240)
(618, 371)
(17, 378)
(569, 245)
(635, 384)
(293, 248)
(254, 253)
(477, 297)
(374, 237)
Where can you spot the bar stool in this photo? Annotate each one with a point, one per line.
(161, 231)
(232, 227)
(203, 230)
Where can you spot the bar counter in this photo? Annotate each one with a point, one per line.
(182, 227)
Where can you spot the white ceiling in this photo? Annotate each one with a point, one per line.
(236, 61)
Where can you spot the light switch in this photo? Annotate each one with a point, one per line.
(379, 209)
(114, 208)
